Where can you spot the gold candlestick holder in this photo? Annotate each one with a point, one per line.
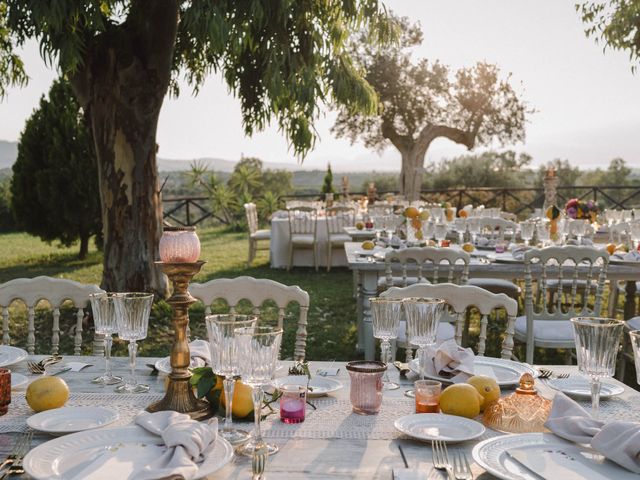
(179, 396)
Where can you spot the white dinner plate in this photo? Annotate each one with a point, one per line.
(318, 386)
(10, 355)
(492, 455)
(18, 380)
(438, 426)
(60, 421)
(116, 452)
(580, 387)
(506, 372)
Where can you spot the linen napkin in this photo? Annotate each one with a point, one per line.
(632, 256)
(518, 251)
(200, 353)
(619, 441)
(449, 360)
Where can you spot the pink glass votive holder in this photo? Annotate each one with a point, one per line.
(366, 386)
(5, 390)
(293, 403)
(179, 245)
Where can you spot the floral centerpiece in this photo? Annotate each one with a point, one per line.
(579, 209)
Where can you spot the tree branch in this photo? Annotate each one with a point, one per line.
(401, 142)
(431, 132)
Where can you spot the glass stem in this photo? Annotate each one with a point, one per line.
(108, 340)
(228, 385)
(595, 397)
(384, 356)
(133, 349)
(421, 361)
(257, 394)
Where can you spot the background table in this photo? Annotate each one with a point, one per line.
(317, 448)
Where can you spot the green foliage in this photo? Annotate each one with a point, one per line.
(11, 66)
(327, 183)
(616, 22)
(55, 181)
(384, 182)
(7, 222)
(279, 58)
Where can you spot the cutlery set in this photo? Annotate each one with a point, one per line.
(459, 469)
(12, 465)
(39, 368)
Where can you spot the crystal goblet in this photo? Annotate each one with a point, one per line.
(386, 320)
(104, 319)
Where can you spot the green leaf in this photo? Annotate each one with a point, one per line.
(206, 383)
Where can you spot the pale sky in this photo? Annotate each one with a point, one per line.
(587, 101)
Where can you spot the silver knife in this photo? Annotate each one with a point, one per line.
(534, 474)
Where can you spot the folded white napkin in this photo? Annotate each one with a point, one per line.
(619, 441)
(518, 251)
(200, 353)
(449, 360)
(632, 256)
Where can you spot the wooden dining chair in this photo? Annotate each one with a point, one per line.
(448, 264)
(303, 232)
(54, 291)
(460, 298)
(255, 234)
(257, 291)
(337, 219)
(548, 311)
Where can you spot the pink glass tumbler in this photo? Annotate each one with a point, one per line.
(366, 386)
(293, 403)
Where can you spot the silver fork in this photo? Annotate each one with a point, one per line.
(40, 367)
(441, 458)
(16, 467)
(258, 462)
(17, 449)
(461, 467)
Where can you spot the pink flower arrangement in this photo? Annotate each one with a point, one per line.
(579, 209)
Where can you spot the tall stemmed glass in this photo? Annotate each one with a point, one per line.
(597, 341)
(258, 348)
(542, 230)
(526, 231)
(634, 233)
(104, 318)
(386, 320)
(440, 232)
(474, 226)
(225, 362)
(423, 316)
(579, 228)
(132, 317)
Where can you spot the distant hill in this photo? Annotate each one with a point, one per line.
(220, 165)
(8, 153)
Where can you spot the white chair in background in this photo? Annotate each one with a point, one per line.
(548, 310)
(460, 298)
(54, 291)
(337, 219)
(302, 232)
(255, 235)
(257, 291)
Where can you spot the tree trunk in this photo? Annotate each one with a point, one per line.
(411, 173)
(84, 246)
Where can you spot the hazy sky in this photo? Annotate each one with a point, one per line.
(587, 101)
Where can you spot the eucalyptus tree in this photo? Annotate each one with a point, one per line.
(420, 101)
(281, 59)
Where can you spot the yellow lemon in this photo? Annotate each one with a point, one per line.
(368, 245)
(242, 404)
(359, 225)
(461, 399)
(487, 387)
(46, 393)
(468, 247)
(424, 215)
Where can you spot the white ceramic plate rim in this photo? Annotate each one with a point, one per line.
(334, 385)
(557, 384)
(38, 462)
(487, 361)
(15, 355)
(101, 414)
(18, 380)
(476, 428)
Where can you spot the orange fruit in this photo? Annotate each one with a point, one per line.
(411, 212)
(463, 214)
(416, 223)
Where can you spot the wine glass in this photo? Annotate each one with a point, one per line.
(634, 232)
(475, 226)
(423, 316)
(225, 362)
(526, 231)
(132, 318)
(440, 232)
(542, 230)
(386, 320)
(104, 318)
(579, 228)
(597, 341)
(258, 348)
(460, 226)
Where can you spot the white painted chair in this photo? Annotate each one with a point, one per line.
(55, 291)
(337, 219)
(460, 298)
(256, 291)
(497, 227)
(547, 313)
(302, 232)
(447, 263)
(255, 234)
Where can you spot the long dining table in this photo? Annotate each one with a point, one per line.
(367, 270)
(331, 443)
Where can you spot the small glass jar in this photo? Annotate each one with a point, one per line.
(427, 395)
(5, 390)
(366, 386)
(179, 245)
(293, 403)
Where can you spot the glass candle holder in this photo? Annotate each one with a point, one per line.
(366, 386)
(5, 390)
(293, 403)
(427, 394)
(179, 245)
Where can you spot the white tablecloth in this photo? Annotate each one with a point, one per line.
(302, 257)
